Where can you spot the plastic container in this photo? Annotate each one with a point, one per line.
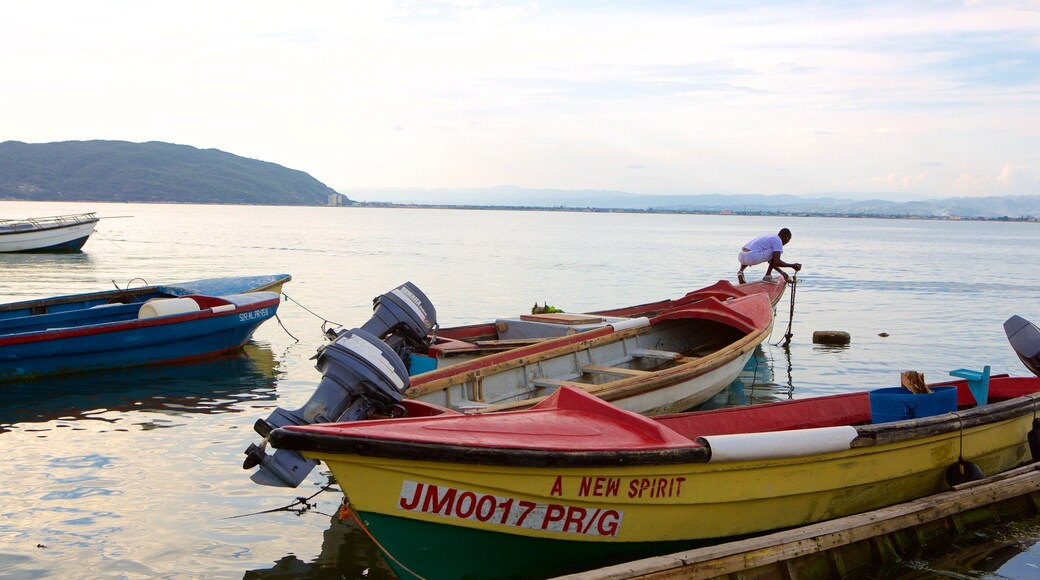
(166, 306)
(898, 403)
(421, 364)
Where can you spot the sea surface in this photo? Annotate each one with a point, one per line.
(137, 473)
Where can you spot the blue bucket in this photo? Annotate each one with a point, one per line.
(898, 403)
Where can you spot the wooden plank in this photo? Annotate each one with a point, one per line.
(562, 318)
(597, 369)
(553, 383)
(509, 342)
(651, 353)
(746, 555)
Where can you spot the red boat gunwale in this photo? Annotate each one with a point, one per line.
(745, 314)
(525, 438)
(463, 337)
(206, 303)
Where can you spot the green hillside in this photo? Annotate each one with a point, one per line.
(119, 171)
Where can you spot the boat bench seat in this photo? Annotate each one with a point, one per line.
(619, 373)
(651, 353)
(506, 344)
(554, 383)
(69, 319)
(597, 369)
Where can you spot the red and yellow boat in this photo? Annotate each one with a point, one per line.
(576, 483)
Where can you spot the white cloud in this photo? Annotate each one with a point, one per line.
(795, 97)
(1013, 179)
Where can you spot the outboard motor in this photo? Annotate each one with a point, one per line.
(403, 318)
(404, 309)
(1024, 337)
(362, 373)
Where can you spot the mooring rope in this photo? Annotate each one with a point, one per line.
(126, 291)
(280, 323)
(316, 315)
(1031, 435)
(790, 320)
(97, 233)
(345, 507)
(960, 442)
(304, 502)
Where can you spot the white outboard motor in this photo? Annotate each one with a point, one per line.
(361, 374)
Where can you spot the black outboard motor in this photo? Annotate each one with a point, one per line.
(404, 309)
(361, 375)
(1024, 337)
(403, 318)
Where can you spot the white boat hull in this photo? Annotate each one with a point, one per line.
(665, 368)
(687, 394)
(42, 239)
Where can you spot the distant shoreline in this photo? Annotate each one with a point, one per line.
(390, 205)
(760, 213)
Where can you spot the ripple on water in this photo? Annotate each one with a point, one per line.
(137, 473)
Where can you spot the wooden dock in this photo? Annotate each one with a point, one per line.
(845, 546)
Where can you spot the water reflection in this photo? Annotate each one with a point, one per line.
(213, 385)
(29, 276)
(755, 384)
(346, 552)
(1000, 550)
(13, 261)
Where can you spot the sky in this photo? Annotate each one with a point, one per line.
(890, 100)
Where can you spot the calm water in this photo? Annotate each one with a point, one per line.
(137, 474)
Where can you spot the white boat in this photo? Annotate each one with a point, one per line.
(666, 363)
(62, 233)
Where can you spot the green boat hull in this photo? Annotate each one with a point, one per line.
(435, 551)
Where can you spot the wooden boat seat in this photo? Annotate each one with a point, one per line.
(508, 342)
(562, 318)
(709, 348)
(597, 369)
(590, 369)
(651, 353)
(553, 383)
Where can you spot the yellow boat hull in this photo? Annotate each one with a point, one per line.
(702, 501)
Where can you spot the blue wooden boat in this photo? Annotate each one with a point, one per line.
(60, 233)
(208, 287)
(133, 327)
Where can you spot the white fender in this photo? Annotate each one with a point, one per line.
(630, 323)
(779, 444)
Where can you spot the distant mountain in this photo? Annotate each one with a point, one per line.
(120, 171)
(508, 196)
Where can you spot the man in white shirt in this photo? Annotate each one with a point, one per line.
(766, 249)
